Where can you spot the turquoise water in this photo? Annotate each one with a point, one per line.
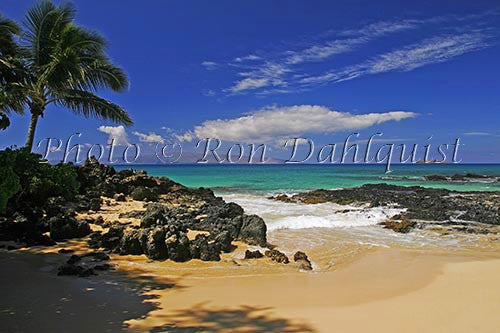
(293, 178)
(330, 230)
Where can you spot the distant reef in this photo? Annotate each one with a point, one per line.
(465, 211)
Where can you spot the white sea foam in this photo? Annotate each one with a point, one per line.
(280, 215)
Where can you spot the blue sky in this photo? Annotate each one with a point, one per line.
(268, 70)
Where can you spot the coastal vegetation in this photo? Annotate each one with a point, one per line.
(9, 70)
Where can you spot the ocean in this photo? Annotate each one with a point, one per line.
(329, 230)
(272, 179)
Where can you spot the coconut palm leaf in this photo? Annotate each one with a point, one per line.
(90, 105)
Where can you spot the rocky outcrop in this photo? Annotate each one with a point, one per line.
(66, 227)
(302, 261)
(155, 214)
(253, 254)
(75, 270)
(277, 256)
(21, 230)
(427, 204)
(170, 212)
(404, 226)
(202, 248)
(120, 197)
(142, 193)
(253, 230)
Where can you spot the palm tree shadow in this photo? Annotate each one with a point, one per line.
(202, 318)
(35, 299)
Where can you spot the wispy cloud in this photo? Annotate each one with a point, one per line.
(270, 74)
(430, 51)
(289, 70)
(250, 57)
(273, 124)
(209, 65)
(480, 134)
(361, 36)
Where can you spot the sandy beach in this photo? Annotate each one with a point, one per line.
(368, 279)
(387, 290)
(241, 167)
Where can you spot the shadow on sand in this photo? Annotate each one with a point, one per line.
(35, 299)
(202, 318)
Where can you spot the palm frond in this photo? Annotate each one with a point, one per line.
(90, 105)
(81, 63)
(44, 25)
(11, 68)
(8, 30)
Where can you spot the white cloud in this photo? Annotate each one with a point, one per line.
(273, 124)
(269, 74)
(288, 71)
(383, 27)
(188, 136)
(209, 65)
(429, 51)
(151, 137)
(249, 83)
(361, 36)
(250, 57)
(117, 133)
(477, 134)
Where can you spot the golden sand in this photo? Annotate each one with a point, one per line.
(355, 287)
(386, 290)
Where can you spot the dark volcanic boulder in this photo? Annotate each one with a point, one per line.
(95, 204)
(132, 240)
(277, 256)
(93, 174)
(178, 247)
(140, 179)
(55, 206)
(404, 227)
(201, 248)
(155, 214)
(109, 240)
(302, 260)
(166, 185)
(253, 254)
(436, 178)
(74, 259)
(223, 240)
(97, 255)
(253, 230)
(67, 227)
(71, 269)
(20, 229)
(156, 247)
(141, 193)
(120, 197)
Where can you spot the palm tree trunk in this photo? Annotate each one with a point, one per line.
(31, 131)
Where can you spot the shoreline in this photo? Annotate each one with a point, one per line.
(390, 289)
(171, 258)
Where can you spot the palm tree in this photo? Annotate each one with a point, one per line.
(66, 65)
(10, 71)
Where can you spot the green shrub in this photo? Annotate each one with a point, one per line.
(25, 178)
(9, 181)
